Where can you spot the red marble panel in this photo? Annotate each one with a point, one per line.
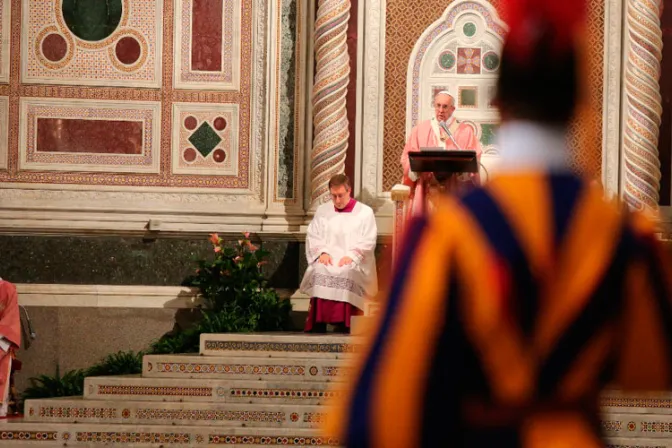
(89, 136)
(206, 35)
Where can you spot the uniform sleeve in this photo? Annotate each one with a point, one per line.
(384, 405)
(646, 353)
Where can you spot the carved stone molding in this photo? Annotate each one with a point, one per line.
(373, 108)
(642, 104)
(611, 110)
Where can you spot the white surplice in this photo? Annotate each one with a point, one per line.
(342, 234)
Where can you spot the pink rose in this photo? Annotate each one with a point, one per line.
(218, 249)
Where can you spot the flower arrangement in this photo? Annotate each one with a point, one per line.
(233, 285)
(236, 296)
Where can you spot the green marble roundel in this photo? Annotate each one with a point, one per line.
(469, 29)
(92, 20)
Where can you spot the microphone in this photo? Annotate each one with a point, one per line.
(444, 126)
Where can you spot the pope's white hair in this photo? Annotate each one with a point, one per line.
(445, 92)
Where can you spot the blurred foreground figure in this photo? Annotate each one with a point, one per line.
(511, 308)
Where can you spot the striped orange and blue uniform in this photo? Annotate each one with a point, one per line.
(508, 312)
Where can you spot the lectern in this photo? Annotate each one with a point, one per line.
(443, 163)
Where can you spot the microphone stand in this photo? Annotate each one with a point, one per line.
(444, 126)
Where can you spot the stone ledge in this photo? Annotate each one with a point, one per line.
(242, 368)
(125, 296)
(288, 346)
(77, 410)
(134, 387)
(89, 434)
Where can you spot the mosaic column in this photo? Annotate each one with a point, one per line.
(643, 105)
(330, 121)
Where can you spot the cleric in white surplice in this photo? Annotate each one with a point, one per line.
(341, 270)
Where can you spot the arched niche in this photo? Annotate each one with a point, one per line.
(460, 53)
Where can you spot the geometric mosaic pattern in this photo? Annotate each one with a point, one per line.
(117, 42)
(210, 415)
(5, 38)
(280, 347)
(155, 391)
(37, 436)
(74, 135)
(233, 369)
(405, 23)
(132, 437)
(133, 61)
(207, 35)
(223, 439)
(205, 138)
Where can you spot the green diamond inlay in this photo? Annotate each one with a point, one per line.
(205, 139)
(92, 20)
(469, 29)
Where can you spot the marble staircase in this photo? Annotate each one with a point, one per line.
(252, 391)
(241, 390)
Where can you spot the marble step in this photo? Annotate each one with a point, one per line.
(21, 433)
(243, 368)
(620, 442)
(134, 387)
(617, 402)
(274, 345)
(637, 425)
(79, 410)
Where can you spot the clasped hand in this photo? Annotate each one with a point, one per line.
(325, 259)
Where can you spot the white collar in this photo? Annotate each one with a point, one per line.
(529, 146)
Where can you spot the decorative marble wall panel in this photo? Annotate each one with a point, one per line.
(4, 131)
(90, 107)
(5, 34)
(118, 42)
(207, 42)
(290, 95)
(79, 135)
(205, 138)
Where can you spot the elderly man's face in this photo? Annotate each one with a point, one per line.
(443, 107)
(340, 195)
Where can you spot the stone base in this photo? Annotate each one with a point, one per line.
(18, 433)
